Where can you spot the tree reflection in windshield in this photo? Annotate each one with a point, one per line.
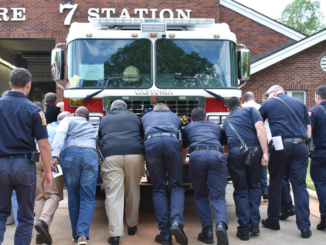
(207, 60)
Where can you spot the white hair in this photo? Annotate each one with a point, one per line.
(118, 104)
(275, 87)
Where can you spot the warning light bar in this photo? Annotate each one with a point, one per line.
(139, 21)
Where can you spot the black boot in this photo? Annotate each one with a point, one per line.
(305, 233)
(269, 224)
(322, 224)
(163, 239)
(177, 231)
(265, 195)
(222, 236)
(287, 214)
(132, 230)
(206, 235)
(114, 240)
(243, 236)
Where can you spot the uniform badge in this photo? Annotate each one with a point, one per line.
(310, 113)
(42, 118)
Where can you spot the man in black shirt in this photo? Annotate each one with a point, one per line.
(121, 135)
(208, 175)
(52, 111)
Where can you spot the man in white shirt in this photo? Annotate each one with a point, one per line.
(249, 100)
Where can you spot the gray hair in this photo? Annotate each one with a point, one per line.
(249, 96)
(50, 98)
(39, 104)
(118, 104)
(5, 93)
(63, 115)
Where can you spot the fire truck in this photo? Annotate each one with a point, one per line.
(184, 63)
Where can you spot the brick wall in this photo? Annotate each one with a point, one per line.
(299, 72)
(258, 38)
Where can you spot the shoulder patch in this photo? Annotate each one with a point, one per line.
(42, 118)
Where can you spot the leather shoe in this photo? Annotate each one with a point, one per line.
(163, 239)
(243, 236)
(39, 239)
(222, 236)
(42, 228)
(255, 230)
(268, 224)
(306, 233)
(132, 230)
(265, 195)
(114, 240)
(287, 214)
(322, 224)
(206, 235)
(177, 231)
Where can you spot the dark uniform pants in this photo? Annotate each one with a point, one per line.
(286, 199)
(293, 159)
(318, 175)
(18, 175)
(247, 190)
(263, 180)
(208, 175)
(163, 155)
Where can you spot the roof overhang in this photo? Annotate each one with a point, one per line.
(288, 51)
(262, 19)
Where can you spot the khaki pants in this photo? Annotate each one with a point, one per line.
(47, 200)
(121, 175)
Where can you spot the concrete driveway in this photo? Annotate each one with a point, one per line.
(147, 228)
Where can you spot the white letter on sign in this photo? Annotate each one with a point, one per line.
(141, 12)
(4, 14)
(93, 14)
(181, 13)
(18, 14)
(108, 12)
(125, 14)
(71, 13)
(153, 12)
(166, 10)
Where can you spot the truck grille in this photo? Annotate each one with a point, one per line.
(181, 108)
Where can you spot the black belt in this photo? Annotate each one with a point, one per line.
(233, 145)
(204, 148)
(287, 140)
(16, 156)
(161, 134)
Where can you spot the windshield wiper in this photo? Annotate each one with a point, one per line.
(218, 97)
(89, 97)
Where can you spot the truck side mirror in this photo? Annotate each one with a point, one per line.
(244, 64)
(57, 64)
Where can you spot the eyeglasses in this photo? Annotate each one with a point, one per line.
(269, 94)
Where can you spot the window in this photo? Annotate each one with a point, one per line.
(323, 63)
(301, 95)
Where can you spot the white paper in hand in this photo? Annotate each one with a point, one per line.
(58, 173)
(278, 143)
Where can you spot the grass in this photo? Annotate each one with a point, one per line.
(309, 182)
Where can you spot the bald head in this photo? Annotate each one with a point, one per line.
(274, 90)
(82, 112)
(62, 115)
(249, 96)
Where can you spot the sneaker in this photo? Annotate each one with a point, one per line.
(75, 241)
(82, 240)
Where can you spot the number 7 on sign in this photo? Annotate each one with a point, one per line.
(71, 13)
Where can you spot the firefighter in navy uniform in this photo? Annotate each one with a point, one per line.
(208, 174)
(163, 155)
(21, 123)
(318, 157)
(288, 117)
(244, 128)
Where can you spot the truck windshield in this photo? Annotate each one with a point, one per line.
(212, 61)
(92, 62)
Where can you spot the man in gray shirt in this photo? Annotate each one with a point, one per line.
(75, 139)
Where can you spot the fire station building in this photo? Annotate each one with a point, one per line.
(29, 30)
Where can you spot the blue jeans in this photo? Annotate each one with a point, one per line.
(80, 170)
(163, 155)
(208, 175)
(14, 206)
(18, 175)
